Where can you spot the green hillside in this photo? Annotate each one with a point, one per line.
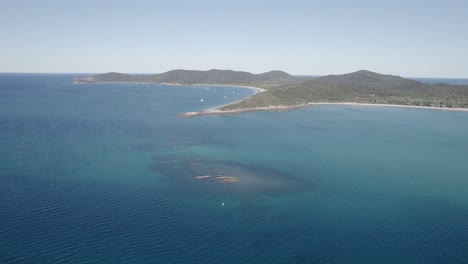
(361, 87)
(186, 77)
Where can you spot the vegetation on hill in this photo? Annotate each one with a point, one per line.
(359, 87)
(283, 89)
(185, 77)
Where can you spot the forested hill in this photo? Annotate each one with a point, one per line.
(360, 87)
(198, 77)
(283, 89)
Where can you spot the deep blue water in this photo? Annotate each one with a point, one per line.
(105, 173)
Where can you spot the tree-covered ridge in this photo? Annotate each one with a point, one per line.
(267, 79)
(360, 87)
(283, 89)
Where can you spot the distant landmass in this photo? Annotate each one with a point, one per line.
(187, 77)
(282, 90)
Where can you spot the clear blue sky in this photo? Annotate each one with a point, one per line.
(408, 38)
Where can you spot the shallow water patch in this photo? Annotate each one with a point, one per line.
(229, 176)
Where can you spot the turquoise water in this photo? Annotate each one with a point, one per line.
(106, 173)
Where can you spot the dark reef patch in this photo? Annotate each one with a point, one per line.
(228, 176)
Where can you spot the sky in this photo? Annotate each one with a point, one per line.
(409, 38)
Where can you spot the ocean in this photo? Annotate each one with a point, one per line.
(107, 173)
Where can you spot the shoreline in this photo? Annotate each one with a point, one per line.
(210, 110)
(255, 89)
(216, 110)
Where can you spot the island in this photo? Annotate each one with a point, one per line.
(278, 90)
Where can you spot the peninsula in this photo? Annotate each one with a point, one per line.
(281, 91)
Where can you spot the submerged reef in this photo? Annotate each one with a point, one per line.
(228, 176)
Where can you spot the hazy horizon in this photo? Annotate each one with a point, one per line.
(313, 75)
(405, 38)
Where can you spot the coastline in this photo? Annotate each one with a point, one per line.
(255, 89)
(216, 111)
(204, 112)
